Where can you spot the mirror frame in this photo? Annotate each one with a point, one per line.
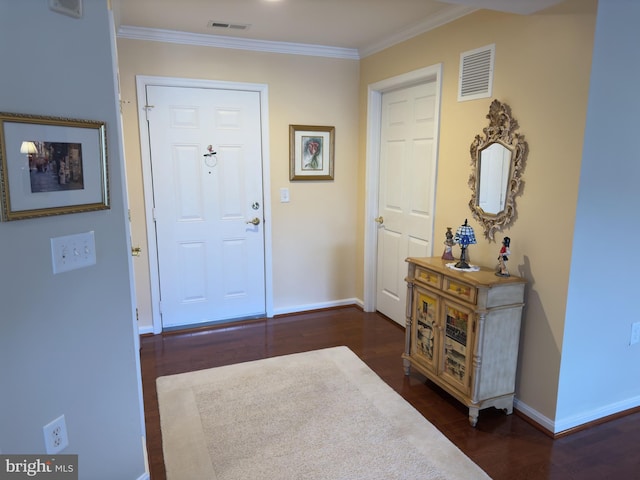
(502, 129)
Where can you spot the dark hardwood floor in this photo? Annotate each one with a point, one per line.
(506, 447)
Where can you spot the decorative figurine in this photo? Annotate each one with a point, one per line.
(503, 257)
(449, 243)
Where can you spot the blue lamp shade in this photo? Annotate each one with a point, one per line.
(464, 235)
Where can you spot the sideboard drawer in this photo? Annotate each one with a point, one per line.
(429, 277)
(460, 289)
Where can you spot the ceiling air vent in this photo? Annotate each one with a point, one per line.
(227, 26)
(476, 73)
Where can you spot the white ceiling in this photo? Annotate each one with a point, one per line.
(350, 24)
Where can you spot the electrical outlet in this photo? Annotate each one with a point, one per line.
(73, 251)
(635, 333)
(55, 435)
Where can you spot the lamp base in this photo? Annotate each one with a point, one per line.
(462, 264)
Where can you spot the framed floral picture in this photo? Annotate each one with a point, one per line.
(311, 150)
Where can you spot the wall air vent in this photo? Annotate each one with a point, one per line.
(476, 73)
(227, 26)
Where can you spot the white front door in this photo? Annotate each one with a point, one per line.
(406, 190)
(211, 259)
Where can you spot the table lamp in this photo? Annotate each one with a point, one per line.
(464, 237)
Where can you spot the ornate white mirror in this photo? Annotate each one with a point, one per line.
(497, 158)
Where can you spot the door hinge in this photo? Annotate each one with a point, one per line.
(160, 307)
(153, 213)
(147, 108)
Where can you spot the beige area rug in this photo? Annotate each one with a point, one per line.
(315, 415)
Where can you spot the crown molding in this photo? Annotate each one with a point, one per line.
(221, 41)
(448, 15)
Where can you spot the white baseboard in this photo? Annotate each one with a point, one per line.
(146, 459)
(145, 329)
(534, 415)
(573, 421)
(581, 418)
(318, 306)
(142, 330)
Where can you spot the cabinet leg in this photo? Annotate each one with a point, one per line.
(407, 366)
(473, 416)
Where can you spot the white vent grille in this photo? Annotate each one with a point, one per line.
(476, 73)
(227, 26)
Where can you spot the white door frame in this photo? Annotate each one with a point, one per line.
(374, 117)
(142, 81)
(132, 281)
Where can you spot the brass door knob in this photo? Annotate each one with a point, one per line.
(136, 251)
(255, 221)
(379, 220)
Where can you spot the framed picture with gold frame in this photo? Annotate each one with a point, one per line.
(51, 166)
(311, 151)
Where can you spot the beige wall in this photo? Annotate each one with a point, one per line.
(314, 244)
(542, 71)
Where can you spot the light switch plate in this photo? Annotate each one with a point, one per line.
(73, 251)
(284, 195)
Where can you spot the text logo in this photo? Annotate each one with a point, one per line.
(55, 467)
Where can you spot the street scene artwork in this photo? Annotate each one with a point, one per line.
(455, 348)
(426, 320)
(51, 166)
(56, 166)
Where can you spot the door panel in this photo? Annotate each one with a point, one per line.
(406, 190)
(210, 260)
(187, 189)
(391, 247)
